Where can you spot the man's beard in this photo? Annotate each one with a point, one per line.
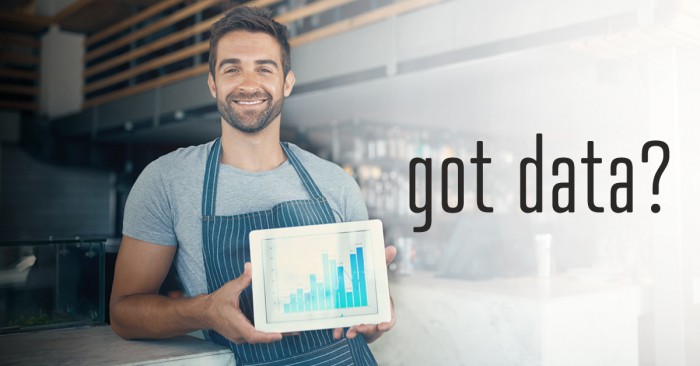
(249, 121)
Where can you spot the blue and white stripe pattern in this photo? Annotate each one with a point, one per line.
(226, 249)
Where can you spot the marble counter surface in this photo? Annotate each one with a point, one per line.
(535, 288)
(561, 321)
(565, 320)
(100, 346)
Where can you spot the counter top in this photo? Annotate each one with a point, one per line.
(535, 288)
(577, 319)
(100, 346)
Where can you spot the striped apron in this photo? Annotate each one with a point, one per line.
(226, 249)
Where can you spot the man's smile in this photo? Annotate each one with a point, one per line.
(250, 102)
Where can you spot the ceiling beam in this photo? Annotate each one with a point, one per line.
(69, 10)
(24, 22)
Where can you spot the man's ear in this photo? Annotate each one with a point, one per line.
(289, 83)
(212, 86)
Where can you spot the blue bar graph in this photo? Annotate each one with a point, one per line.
(337, 288)
(361, 272)
(292, 305)
(314, 300)
(355, 279)
(300, 300)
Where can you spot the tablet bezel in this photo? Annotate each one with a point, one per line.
(257, 238)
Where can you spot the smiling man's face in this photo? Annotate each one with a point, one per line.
(249, 83)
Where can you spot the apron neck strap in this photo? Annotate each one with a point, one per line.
(211, 176)
(306, 179)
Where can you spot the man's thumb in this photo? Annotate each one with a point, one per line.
(244, 280)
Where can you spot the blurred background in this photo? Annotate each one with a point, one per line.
(91, 91)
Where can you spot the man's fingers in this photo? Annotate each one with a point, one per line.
(386, 326)
(362, 328)
(241, 330)
(390, 253)
(337, 333)
(234, 325)
(261, 337)
(244, 280)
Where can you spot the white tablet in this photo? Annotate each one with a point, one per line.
(319, 277)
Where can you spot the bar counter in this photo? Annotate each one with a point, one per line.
(563, 320)
(98, 345)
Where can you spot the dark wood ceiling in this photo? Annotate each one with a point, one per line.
(83, 16)
(100, 13)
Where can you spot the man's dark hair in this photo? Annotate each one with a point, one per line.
(249, 19)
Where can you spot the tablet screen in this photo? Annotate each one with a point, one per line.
(314, 274)
(320, 276)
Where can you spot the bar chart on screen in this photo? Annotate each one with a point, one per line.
(317, 275)
(336, 289)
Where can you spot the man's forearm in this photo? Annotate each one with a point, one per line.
(155, 316)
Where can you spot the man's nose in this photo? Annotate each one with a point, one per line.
(248, 82)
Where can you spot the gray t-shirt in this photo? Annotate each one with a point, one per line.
(165, 204)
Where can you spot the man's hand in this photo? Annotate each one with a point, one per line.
(223, 313)
(372, 331)
(137, 311)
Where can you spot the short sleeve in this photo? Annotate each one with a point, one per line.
(355, 208)
(147, 214)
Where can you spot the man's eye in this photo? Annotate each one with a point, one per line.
(230, 70)
(268, 71)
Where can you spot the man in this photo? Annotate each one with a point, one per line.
(198, 204)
